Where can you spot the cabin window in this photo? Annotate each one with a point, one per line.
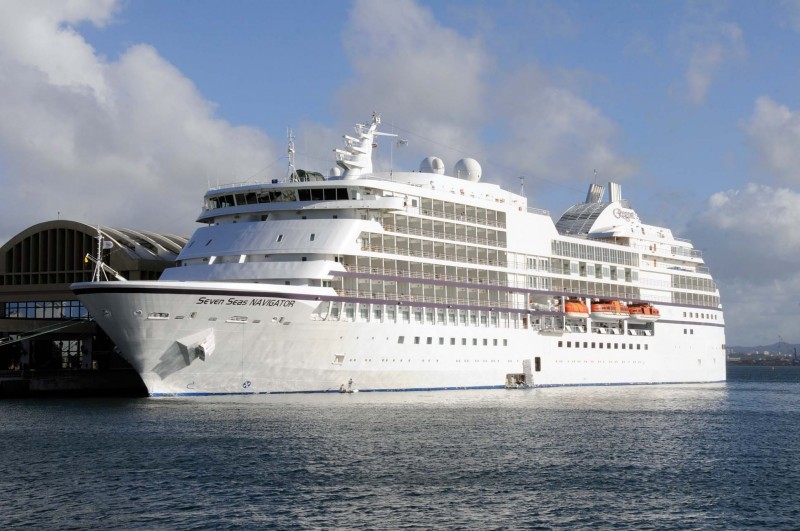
(311, 238)
(280, 238)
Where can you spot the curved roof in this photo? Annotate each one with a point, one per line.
(53, 251)
(138, 244)
(579, 219)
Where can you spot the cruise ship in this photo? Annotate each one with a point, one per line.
(392, 281)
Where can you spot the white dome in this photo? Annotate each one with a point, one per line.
(336, 171)
(432, 165)
(468, 169)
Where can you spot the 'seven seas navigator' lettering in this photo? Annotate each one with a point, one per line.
(234, 301)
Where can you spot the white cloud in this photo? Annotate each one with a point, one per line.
(712, 44)
(445, 86)
(750, 241)
(135, 134)
(411, 68)
(554, 133)
(774, 133)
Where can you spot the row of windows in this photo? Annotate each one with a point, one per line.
(701, 315)
(443, 230)
(462, 212)
(583, 269)
(685, 251)
(453, 341)
(44, 310)
(695, 299)
(600, 345)
(436, 249)
(699, 284)
(277, 196)
(537, 263)
(594, 253)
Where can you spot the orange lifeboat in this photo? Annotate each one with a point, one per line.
(575, 308)
(644, 311)
(609, 310)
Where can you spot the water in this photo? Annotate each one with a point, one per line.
(720, 456)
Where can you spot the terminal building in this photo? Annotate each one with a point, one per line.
(48, 342)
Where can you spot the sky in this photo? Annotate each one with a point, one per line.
(122, 113)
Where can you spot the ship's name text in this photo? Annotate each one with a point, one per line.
(233, 301)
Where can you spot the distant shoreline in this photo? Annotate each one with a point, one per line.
(761, 363)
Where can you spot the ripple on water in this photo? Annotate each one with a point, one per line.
(656, 457)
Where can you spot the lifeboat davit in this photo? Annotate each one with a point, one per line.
(576, 308)
(643, 311)
(609, 310)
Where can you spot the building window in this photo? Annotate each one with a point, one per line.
(44, 310)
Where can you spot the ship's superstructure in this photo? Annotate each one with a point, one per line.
(414, 280)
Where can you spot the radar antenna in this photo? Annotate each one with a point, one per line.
(521, 185)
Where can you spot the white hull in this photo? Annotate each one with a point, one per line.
(644, 318)
(411, 280)
(284, 347)
(609, 316)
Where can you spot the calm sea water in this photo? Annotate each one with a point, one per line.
(720, 456)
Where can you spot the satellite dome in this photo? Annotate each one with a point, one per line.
(432, 165)
(468, 169)
(336, 171)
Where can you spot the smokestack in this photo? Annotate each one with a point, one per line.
(614, 192)
(595, 194)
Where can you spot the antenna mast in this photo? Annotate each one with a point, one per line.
(98, 268)
(292, 170)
